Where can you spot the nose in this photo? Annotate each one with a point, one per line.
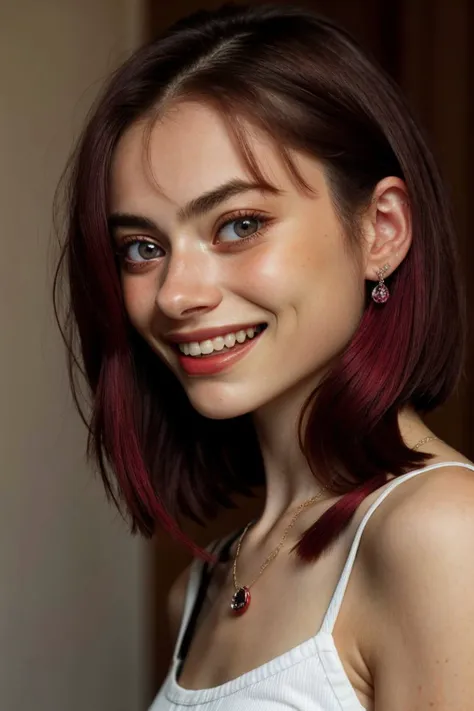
(189, 286)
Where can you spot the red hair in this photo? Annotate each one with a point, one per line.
(310, 87)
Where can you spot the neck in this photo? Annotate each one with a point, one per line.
(289, 479)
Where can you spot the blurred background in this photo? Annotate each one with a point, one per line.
(81, 602)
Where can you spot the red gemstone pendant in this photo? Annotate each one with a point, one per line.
(240, 601)
(380, 294)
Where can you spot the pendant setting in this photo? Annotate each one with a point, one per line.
(240, 600)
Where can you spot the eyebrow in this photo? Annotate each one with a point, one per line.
(196, 207)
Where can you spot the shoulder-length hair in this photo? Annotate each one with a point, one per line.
(310, 87)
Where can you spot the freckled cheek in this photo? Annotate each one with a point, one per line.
(260, 276)
(283, 273)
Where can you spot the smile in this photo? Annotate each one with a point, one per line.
(225, 342)
(220, 357)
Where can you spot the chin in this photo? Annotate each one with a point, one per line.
(220, 407)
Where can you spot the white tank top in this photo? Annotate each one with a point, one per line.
(308, 677)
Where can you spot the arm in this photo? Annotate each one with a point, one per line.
(423, 595)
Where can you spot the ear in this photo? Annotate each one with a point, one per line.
(387, 228)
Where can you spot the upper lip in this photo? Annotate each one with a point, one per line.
(205, 334)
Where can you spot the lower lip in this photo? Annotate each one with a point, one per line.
(212, 364)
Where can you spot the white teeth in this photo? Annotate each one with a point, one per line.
(229, 340)
(219, 343)
(206, 347)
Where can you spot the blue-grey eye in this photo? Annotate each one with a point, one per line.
(240, 228)
(143, 250)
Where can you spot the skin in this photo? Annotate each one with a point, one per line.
(300, 276)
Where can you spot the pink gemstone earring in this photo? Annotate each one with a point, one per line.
(381, 294)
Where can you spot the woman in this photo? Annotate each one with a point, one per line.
(264, 284)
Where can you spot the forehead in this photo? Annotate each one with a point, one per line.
(183, 153)
(188, 151)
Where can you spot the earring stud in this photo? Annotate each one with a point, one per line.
(381, 294)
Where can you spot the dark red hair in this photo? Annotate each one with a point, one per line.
(310, 87)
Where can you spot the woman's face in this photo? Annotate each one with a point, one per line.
(206, 257)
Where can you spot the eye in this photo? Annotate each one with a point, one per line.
(135, 250)
(241, 228)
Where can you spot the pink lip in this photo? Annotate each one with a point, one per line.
(207, 333)
(213, 364)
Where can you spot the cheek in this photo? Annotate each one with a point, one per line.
(139, 301)
(313, 288)
(311, 265)
(330, 293)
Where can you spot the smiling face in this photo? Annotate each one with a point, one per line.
(197, 269)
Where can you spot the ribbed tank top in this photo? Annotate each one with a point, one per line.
(308, 677)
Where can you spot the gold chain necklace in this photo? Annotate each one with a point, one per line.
(241, 597)
(423, 441)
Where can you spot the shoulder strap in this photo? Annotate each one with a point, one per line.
(199, 578)
(336, 600)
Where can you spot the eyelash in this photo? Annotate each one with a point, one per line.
(239, 215)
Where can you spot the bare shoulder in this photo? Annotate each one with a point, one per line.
(431, 510)
(176, 600)
(426, 502)
(419, 563)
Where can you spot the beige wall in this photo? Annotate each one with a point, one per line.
(72, 581)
